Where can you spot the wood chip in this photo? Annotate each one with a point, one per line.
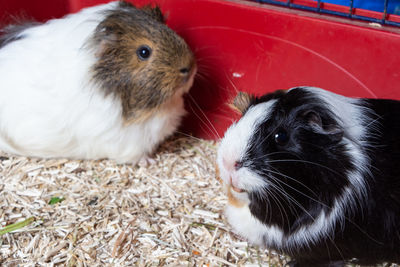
(169, 213)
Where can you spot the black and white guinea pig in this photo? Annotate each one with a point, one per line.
(106, 82)
(315, 175)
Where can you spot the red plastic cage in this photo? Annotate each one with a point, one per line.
(258, 48)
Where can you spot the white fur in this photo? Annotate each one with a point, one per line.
(246, 225)
(233, 146)
(249, 227)
(49, 107)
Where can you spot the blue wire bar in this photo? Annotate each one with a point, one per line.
(351, 8)
(350, 14)
(385, 11)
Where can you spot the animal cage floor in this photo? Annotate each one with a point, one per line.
(169, 213)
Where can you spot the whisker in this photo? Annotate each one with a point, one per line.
(308, 162)
(201, 76)
(197, 49)
(189, 135)
(209, 59)
(303, 194)
(281, 209)
(293, 179)
(208, 129)
(266, 137)
(282, 191)
(209, 125)
(231, 82)
(312, 218)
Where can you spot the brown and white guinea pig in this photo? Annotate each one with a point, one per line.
(106, 82)
(315, 175)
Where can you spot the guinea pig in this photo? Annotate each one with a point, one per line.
(106, 82)
(315, 175)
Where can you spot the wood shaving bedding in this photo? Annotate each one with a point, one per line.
(169, 213)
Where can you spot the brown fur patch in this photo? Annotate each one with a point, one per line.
(142, 85)
(143, 115)
(154, 12)
(232, 200)
(217, 174)
(241, 102)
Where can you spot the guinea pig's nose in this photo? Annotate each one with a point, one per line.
(184, 71)
(232, 165)
(188, 68)
(237, 165)
(188, 72)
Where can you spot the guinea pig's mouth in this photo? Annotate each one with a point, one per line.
(229, 185)
(236, 189)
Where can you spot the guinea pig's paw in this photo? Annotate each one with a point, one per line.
(146, 161)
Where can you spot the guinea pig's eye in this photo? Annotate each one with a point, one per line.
(281, 137)
(143, 52)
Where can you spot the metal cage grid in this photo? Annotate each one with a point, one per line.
(318, 6)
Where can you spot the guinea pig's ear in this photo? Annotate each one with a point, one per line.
(333, 132)
(106, 35)
(241, 102)
(110, 33)
(154, 13)
(313, 118)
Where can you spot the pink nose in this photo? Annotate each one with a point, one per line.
(231, 165)
(238, 165)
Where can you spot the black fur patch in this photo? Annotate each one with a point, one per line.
(12, 33)
(309, 168)
(313, 167)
